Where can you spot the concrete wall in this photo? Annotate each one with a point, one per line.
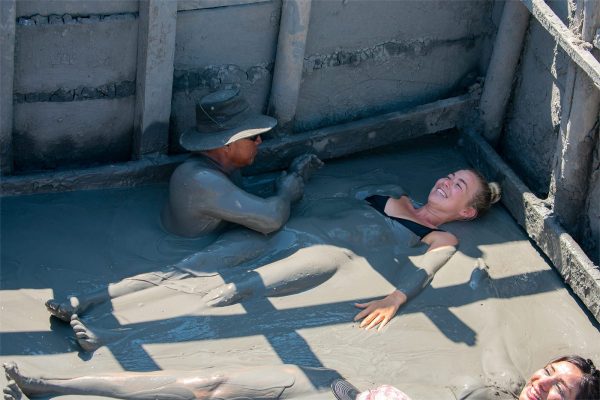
(76, 61)
(531, 136)
(590, 235)
(533, 117)
(368, 57)
(74, 83)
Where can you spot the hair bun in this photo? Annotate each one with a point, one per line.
(495, 192)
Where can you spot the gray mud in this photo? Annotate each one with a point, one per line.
(71, 243)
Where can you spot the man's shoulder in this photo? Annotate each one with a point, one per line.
(199, 166)
(199, 172)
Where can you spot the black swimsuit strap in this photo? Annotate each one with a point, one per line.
(378, 202)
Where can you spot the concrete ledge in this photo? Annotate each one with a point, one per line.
(134, 173)
(365, 134)
(275, 154)
(539, 222)
(189, 5)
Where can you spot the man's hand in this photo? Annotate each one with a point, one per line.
(380, 312)
(305, 165)
(290, 186)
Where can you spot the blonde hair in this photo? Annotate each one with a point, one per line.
(488, 194)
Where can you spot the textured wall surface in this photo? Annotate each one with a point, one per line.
(50, 135)
(533, 117)
(74, 84)
(364, 58)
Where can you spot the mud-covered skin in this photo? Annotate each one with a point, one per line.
(260, 382)
(204, 197)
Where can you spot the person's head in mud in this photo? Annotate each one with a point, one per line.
(564, 378)
(459, 196)
(462, 195)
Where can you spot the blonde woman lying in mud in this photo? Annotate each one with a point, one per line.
(564, 378)
(311, 248)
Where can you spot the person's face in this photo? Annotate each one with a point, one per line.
(243, 151)
(557, 381)
(454, 193)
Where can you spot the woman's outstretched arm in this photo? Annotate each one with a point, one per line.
(442, 246)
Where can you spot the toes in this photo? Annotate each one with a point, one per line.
(58, 310)
(11, 369)
(12, 391)
(82, 336)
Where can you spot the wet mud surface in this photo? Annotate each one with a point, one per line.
(61, 244)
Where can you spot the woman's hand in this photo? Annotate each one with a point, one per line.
(380, 311)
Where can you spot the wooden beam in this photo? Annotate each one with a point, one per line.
(575, 143)
(501, 69)
(539, 222)
(154, 81)
(289, 60)
(565, 38)
(7, 68)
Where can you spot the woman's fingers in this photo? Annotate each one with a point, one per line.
(377, 312)
(376, 320)
(364, 312)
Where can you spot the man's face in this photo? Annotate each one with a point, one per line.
(243, 151)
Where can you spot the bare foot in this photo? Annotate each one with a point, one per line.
(12, 392)
(20, 386)
(86, 338)
(65, 310)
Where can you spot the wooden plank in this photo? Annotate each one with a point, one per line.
(154, 82)
(7, 68)
(539, 222)
(501, 70)
(289, 60)
(565, 38)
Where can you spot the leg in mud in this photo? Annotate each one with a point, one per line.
(231, 249)
(124, 385)
(270, 382)
(305, 269)
(79, 304)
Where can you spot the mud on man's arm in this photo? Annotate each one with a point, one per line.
(264, 215)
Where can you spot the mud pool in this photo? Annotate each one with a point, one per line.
(453, 334)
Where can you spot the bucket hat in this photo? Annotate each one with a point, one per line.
(222, 118)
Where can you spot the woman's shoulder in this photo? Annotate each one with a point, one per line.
(440, 238)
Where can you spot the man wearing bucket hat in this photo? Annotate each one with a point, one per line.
(205, 192)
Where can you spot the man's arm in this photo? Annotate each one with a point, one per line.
(231, 203)
(380, 312)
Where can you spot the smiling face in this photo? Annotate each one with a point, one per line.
(557, 381)
(454, 193)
